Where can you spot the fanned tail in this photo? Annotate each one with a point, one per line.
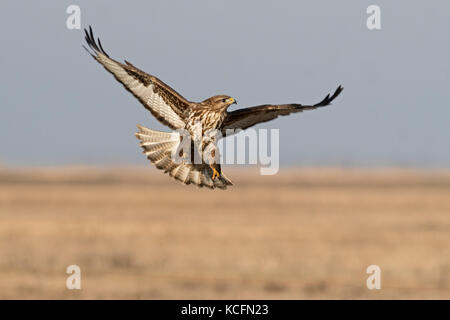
(160, 146)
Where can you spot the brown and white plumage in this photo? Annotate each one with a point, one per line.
(176, 112)
(163, 102)
(247, 117)
(159, 148)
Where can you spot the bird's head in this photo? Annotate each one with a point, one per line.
(220, 102)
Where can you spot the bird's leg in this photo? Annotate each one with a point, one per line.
(210, 150)
(216, 171)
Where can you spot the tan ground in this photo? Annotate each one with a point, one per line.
(301, 234)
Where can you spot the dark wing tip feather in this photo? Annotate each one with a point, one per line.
(90, 39)
(87, 50)
(327, 100)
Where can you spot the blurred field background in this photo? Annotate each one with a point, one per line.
(301, 234)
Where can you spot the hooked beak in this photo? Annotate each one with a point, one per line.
(231, 101)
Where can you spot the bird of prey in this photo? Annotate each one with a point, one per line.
(176, 112)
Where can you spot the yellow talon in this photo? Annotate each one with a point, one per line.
(216, 174)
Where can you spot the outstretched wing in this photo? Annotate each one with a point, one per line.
(161, 100)
(244, 118)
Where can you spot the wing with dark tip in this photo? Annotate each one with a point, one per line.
(245, 118)
(162, 101)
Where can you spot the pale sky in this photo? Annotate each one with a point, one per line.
(59, 107)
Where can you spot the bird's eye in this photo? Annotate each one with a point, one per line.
(224, 100)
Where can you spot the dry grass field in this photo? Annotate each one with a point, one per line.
(301, 234)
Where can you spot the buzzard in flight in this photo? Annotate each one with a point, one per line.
(178, 113)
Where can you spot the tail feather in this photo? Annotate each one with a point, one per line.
(181, 173)
(195, 177)
(154, 146)
(165, 164)
(159, 146)
(157, 155)
(206, 179)
(152, 135)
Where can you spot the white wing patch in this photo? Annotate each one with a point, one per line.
(152, 101)
(157, 103)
